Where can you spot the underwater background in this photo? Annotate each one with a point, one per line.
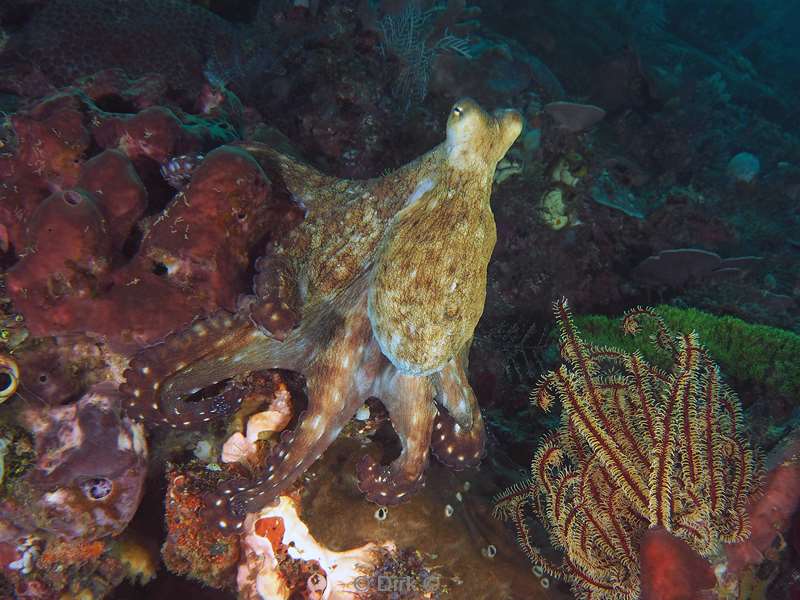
(399, 299)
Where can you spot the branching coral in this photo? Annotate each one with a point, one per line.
(639, 449)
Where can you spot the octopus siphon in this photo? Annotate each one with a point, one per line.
(375, 294)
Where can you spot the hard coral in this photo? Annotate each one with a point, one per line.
(54, 371)
(470, 554)
(282, 559)
(572, 117)
(171, 37)
(49, 568)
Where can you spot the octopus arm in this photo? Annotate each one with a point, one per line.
(458, 435)
(274, 306)
(409, 400)
(303, 182)
(317, 428)
(163, 382)
(332, 401)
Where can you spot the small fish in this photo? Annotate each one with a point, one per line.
(178, 170)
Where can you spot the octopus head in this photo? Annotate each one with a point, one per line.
(475, 137)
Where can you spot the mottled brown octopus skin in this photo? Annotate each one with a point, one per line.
(376, 294)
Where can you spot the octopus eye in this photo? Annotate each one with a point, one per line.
(9, 377)
(97, 488)
(457, 111)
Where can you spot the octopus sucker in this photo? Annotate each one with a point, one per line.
(459, 442)
(376, 293)
(157, 377)
(408, 400)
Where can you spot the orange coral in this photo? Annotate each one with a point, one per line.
(271, 528)
(192, 548)
(638, 449)
(70, 552)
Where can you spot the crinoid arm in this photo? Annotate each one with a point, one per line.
(639, 450)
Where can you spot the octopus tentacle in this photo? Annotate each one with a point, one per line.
(333, 400)
(274, 306)
(294, 454)
(151, 369)
(302, 181)
(409, 400)
(162, 379)
(458, 437)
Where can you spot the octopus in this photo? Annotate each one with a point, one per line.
(376, 293)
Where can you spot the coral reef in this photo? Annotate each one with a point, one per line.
(57, 568)
(280, 555)
(151, 152)
(771, 512)
(649, 472)
(679, 267)
(73, 478)
(415, 33)
(173, 38)
(470, 553)
(9, 377)
(375, 317)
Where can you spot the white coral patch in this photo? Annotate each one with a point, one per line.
(139, 439)
(267, 421)
(259, 575)
(362, 414)
(57, 498)
(124, 441)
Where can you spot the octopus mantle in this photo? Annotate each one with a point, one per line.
(376, 294)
